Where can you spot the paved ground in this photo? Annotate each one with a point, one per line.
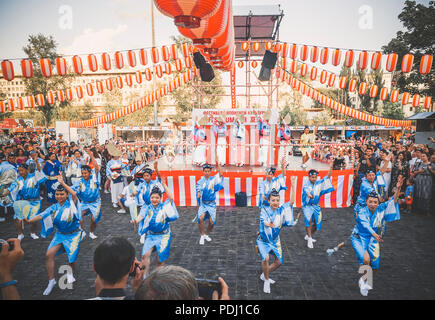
(407, 257)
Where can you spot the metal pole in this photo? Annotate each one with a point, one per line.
(154, 75)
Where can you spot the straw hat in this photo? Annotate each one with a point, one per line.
(113, 151)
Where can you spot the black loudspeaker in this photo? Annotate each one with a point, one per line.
(198, 59)
(264, 74)
(269, 59)
(206, 72)
(241, 199)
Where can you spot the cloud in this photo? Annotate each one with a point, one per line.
(95, 40)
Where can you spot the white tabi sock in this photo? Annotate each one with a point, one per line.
(264, 279)
(142, 239)
(266, 286)
(201, 240)
(92, 235)
(51, 284)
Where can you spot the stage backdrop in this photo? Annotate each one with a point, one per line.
(183, 186)
(251, 134)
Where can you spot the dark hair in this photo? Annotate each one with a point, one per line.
(273, 193)
(129, 179)
(157, 190)
(113, 259)
(86, 168)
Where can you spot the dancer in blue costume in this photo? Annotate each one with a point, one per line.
(65, 215)
(88, 191)
(154, 221)
(271, 183)
(206, 189)
(52, 168)
(312, 191)
(272, 218)
(370, 227)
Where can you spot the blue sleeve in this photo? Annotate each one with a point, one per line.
(171, 211)
(76, 187)
(13, 185)
(219, 186)
(365, 223)
(281, 180)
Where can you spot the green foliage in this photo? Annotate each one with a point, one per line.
(41, 46)
(393, 111)
(419, 39)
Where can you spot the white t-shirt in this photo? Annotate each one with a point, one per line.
(386, 175)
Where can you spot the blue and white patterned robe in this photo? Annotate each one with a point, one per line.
(277, 183)
(207, 202)
(89, 195)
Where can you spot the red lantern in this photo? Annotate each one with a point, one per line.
(391, 62)
(69, 94)
(165, 53)
(92, 63)
(131, 57)
(89, 89)
(394, 96)
(185, 49)
(314, 54)
(407, 62)
(268, 45)
(376, 60)
(188, 13)
(416, 100)
(363, 60)
(168, 68)
(109, 84)
(188, 62)
(304, 69)
(60, 96)
(119, 82)
(352, 85)
(20, 103)
(8, 70)
(158, 70)
(99, 85)
(284, 49)
(331, 80)
(31, 101)
(11, 104)
(254, 64)
(155, 55)
(79, 91)
(323, 76)
(138, 76)
(427, 102)
(178, 65)
(405, 98)
(276, 47)
(148, 74)
(324, 56)
(50, 97)
(294, 66)
(348, 59)
(119, 60)
(384, 94)
(426, 64)
(45, 67)
(342, 83)
(304, 53)
(143, 57)
(373, 91)
(2, 107)
(362, 88)
(293, 51)
(313, 73)
(27, 68)
(244, 46)
(77, 64)
(240, 64)
(336, 57)
(105, 59)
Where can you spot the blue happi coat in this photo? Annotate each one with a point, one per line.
(311, 207)
(366, 188)
(51, 171)
(156, 225)
(66, 218)
(268, 238)
(89, 194)
(277, 183)
(207, 202)
(144, 189)
(368, 223)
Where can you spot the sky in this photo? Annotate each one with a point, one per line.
(82, 27)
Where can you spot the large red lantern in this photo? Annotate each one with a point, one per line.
(90, 89)
(363, 60)
(405, 98)
(8, 70)
(143, 57)
(256, 46)
(331, 80)
(45, 67)
(304, 53)
(188, 13)
(324, 56)
(323, 76)
(426, 64)
(109, 84)
(407, 61)
(352, 85)
(106, 61)
(416, 100)
(313, 73)
(27, 68)
(138, 76)
(336, 57)
(79, 92)
(119, 60)
(394, 96)
(99, 85)
(384, 94)
(293, 52)
(391, 62)
(362, 88)
(92, 63)
(376, 60)
(348, 59)
(304, 69)
(77, 64)
(131, 57)
(314, 54)
(31, 101)
(174, 52)
(165, 53)
(342, 82)
(427, 102)
(373, 91)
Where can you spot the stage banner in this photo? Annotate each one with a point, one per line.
(251, 140)
(182, 184)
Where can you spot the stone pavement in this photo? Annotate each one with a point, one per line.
(407, 257)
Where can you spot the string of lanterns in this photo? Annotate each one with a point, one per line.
(157, 94)
(308, 91)
(76, 64)
(96, 87)
(329, 79)
(335, 56)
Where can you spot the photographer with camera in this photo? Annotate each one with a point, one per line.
(114, 262)
(10, 254)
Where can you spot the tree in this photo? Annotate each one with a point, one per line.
(393, 111)
(418, 39)
(38, 47)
